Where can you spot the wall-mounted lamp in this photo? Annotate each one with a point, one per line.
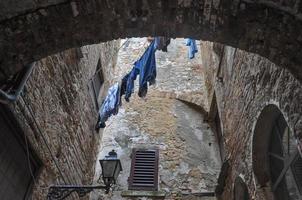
(111, 167)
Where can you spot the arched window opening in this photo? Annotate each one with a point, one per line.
(276, 160)
(285, 162)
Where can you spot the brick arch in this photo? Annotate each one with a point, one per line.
(30, 32)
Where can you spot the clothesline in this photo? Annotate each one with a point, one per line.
(145, 68)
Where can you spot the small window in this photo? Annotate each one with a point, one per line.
(144, 170)
(96, 83)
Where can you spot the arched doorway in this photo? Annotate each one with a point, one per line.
(277, 163)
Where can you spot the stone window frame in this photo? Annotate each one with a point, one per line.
(134, 166)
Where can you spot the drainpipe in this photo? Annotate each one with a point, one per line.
(6, 97)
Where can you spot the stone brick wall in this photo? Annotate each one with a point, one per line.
(32, 29)
(12, 9)
(210, 63)
(248, 83)
(58, 115)
(189, 157)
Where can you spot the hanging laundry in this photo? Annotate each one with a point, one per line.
(124, 84)
(192, 47)
(110, 105)
(130, 82)
(147, 69)
(161, 43)
(123, 88)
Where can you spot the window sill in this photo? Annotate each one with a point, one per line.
(138, 193)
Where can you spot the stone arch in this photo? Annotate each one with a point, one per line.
(34, 30)
(260, 146)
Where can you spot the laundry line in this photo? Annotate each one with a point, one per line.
(145, 69)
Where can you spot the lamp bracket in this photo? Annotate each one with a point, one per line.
(60, 192)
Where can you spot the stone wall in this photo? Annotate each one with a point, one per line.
(210, 63)
(31, 29)
(245, 84)
(57, 114)
(189, 156)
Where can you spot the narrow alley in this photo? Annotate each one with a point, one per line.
(143, 100)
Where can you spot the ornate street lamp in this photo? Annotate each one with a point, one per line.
(111, 167)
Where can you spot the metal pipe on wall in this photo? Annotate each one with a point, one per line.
(6, 97)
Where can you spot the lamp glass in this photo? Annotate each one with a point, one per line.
(108, 167)
(117, 170)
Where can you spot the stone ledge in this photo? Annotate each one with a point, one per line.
(136, 193)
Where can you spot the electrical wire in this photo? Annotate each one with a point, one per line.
(44, 139)
(29, 166)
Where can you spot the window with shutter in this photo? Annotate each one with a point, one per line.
(144, 170)
(96, 84)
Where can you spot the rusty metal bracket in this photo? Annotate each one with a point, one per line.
(60, 192)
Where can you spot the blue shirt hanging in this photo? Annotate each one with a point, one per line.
(131, 77)
(192, 47)
(147, 69)
(110, 105)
